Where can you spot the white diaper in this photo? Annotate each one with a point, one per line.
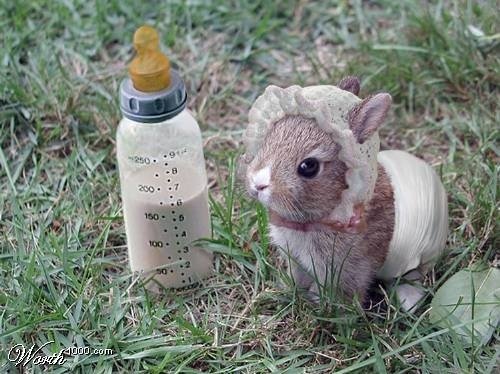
(421, 208)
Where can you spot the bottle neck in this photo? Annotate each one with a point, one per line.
(153, 107)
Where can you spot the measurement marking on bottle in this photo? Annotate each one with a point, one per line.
(141, 160)
(152, 216)
(146, 188)
(167, 237)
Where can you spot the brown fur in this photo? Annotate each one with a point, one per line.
(380, 218)
(350, 84)
(354, 258)
(366, 117)
(287, 143)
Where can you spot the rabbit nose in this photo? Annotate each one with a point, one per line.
(261, 187)
(261, 179)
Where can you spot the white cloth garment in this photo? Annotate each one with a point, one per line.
(421, 207)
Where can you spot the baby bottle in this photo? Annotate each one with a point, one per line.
(162, 171)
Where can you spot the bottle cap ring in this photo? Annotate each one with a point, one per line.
(153, 107)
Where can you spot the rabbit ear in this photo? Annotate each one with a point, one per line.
(351, 84)
(366, 117)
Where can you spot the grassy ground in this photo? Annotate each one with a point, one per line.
(63, 264)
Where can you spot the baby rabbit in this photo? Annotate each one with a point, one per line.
(342, 212)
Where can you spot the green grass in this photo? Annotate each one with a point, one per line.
(64, 275)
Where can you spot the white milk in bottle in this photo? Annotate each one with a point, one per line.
(162, 172)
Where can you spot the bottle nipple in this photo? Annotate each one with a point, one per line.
(150, 68)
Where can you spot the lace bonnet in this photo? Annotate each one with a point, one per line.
(329, 106)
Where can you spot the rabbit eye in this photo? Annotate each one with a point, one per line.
(308, 168)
